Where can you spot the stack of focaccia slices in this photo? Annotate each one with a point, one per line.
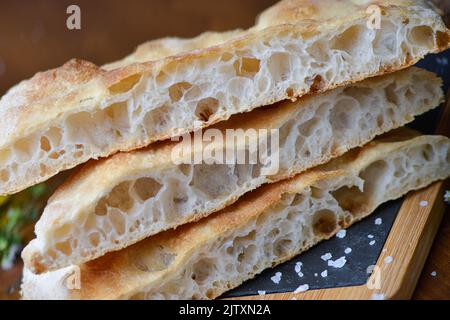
(144, 224)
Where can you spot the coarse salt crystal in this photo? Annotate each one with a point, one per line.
(378, 221)
(327, 256)
(339, 263)
(423, 203)
(302, 288)
(298, 267)
(371, 243)
(348, 250)
(341, 234)
(388, 259)
(433, 274)
(324, 274)
(370, 236)
(261, 292)
(276, 278)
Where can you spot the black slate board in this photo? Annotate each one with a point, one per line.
(363, 254)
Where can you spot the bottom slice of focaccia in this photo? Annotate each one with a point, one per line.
(266, 227)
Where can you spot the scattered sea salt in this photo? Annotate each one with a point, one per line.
(378, 221)
(298, 269)
(434, 274)
(370, 236)
(423, 203)
(348, 250)
(324, 274)
(316, 274)
(339, 263)
(341, 234)
(326, 256)
(388, 260)
(372, 242)
(302, 288)
(261, 292)
(276, 278)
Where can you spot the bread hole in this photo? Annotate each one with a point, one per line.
(442, 40)
(279, 65)
(4, 175)
(247, 255)
(226, 57)
(306, 153)
(101, 208)
(5, 155)
(202, 270)
(177, 90)
(186, 169)
(45, 144)
(125, 84)
(282, 247)
(290, 93)
(299, 143)
(344, 115)
(210, 293)
(428, 152)
(43, 170)
(256, 170)
(54, 134)
(118, 114)
(273, 233)
(324, 223)
(349, 40)
(57, 154)
(213, 180)
(385, 42)
(119, 198)
(422, 36)
(24, 146)
(318, 84)
(351, 199)
(156, 259)
(206, 108)
(118, 221)
(94, 239)
(64, 247)
(52, 254)
(380, 120)
(399, 168)
(319, 51)
(247, 67)
(298, 199)
(374, 176)
(317, 193)
(307, 129)
(161, 78)
(62, 231)
(147, 188)
(90, 222)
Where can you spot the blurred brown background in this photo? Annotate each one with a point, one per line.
(34, 37)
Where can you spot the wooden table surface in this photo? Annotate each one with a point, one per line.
(33, 37)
